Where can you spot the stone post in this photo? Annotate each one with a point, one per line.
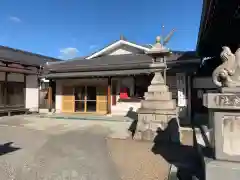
(158, 107)
(224, 119)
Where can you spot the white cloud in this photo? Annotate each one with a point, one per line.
(15, 19)
(93, 46)
(68, 53)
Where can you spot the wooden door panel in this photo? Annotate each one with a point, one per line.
(68, 99)
(102, 99)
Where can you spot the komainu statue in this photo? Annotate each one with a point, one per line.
(228, 73)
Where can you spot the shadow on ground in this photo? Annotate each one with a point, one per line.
(185, 158)
(7, 148)
(134, 116)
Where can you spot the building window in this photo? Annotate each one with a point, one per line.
(133, 88)
(15, 94)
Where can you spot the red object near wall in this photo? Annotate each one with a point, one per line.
(124, 93)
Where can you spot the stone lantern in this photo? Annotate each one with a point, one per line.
(158, 107)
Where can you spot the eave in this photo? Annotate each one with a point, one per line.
(219, 27)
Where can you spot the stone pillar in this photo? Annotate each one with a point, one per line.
(224, 119)
(158, 108)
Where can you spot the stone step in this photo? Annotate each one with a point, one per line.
(158, 88)
(151, 104)
(158, 96)
(157, 111)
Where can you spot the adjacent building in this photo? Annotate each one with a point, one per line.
(19, 83)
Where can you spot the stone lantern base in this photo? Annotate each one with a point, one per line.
(157, 111)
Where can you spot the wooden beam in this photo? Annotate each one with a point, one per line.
(50, 97)
(16, 70)
(5, 89)
(109, 95)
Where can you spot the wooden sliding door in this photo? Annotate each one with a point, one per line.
(102, 100)
(84, 99)
(68, 99)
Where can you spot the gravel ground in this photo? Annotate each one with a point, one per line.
(135, 161)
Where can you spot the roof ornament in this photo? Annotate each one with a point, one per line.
(158, 39)
(122, 37)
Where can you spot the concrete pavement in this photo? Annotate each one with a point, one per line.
(54, 151)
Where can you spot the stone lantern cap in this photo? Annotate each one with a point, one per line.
(158, 48)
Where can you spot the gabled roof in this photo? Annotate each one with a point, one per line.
(12, 55)
(115, 45)
(118, 62)
(118, 65)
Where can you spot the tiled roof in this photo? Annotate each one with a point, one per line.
(114, 62)
(8, 54)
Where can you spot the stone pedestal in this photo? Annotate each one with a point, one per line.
(224, 120)
(156, 110)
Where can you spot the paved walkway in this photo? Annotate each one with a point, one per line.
(53, 152)
(34, 148)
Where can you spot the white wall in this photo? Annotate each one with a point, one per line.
(125, 50)
(120, 51)
(58, 99)
(32, 93)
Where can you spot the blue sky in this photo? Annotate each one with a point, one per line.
(67, 28)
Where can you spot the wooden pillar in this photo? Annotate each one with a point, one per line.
(5, 89)
(50, 96)
(109, 95)
(134, 85)
(25, 90)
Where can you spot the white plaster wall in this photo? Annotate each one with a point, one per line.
(2, 76)
(125, 50)
(58, 98)
(204, 83)
(120, 51)
(32, 93)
